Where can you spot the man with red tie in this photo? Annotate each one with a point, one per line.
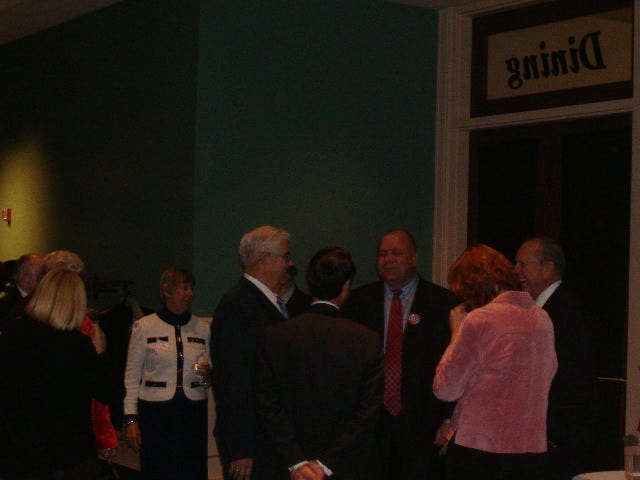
(411, 314)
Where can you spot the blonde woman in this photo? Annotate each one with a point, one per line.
(103, 430)
(49, 371)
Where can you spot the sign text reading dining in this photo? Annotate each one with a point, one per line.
(587, 54)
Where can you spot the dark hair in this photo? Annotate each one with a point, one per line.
(328, 271)
(549, 250)
(480, 274)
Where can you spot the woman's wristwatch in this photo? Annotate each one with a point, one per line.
(128, 420)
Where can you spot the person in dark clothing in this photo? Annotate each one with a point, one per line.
(571, 428)
(320, 384)
(236, 332)
(411, 435)
(49, 372)
(15, 290)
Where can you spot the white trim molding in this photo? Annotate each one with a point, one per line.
(633, 324)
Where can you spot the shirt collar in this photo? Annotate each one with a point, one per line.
(407, 290)
(547, 292)
(315, 302)
(273, 298)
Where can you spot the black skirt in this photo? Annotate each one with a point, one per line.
(174, 439)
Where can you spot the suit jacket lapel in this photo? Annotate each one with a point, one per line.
(259, 296)
(555, 298)
(377, 309)
(418, 317)
(420, 299)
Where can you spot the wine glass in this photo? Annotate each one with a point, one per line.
(203, 369)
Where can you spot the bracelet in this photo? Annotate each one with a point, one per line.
(129, 419)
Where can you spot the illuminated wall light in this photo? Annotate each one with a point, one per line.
(25, 185)
(6, 215)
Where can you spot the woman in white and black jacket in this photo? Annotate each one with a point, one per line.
(166, 379)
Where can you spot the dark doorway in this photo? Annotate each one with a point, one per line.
(570, 181)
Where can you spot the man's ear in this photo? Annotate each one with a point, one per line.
(549, 269)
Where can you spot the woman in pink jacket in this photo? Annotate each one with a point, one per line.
(498, 368)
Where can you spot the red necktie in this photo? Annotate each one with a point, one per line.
(393, 357)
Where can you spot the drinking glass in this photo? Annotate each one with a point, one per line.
(203, 369)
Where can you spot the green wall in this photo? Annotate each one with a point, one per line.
(317, 117)
(101, 111)
(155, 133)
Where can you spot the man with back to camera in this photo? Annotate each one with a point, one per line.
(236, 333)
(25, 280)
(411, 315)
(540, 262)
(320, 384)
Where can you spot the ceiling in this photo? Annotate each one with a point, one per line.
(435, 4)
(19, 18)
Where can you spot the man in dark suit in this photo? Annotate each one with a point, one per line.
(320, 384)
(236, 333)
(25, 280)
(540, 262)
(413, 421)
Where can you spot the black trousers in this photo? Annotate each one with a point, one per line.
(401, 457)
(464, 463)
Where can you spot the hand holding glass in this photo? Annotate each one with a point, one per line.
(203, 369)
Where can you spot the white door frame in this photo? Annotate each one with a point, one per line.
(453, 125)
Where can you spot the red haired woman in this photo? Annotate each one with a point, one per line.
(498, 368)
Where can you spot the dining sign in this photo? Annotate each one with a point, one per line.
(579, 52)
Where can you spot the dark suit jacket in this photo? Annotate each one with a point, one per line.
(320, 387)
(572, 394)
(46, 420)
(298, 302)
(423, 346)
(9, 296)
(236, 334)
(11, 303)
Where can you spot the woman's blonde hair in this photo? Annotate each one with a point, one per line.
(62, 259)
(60, 300)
